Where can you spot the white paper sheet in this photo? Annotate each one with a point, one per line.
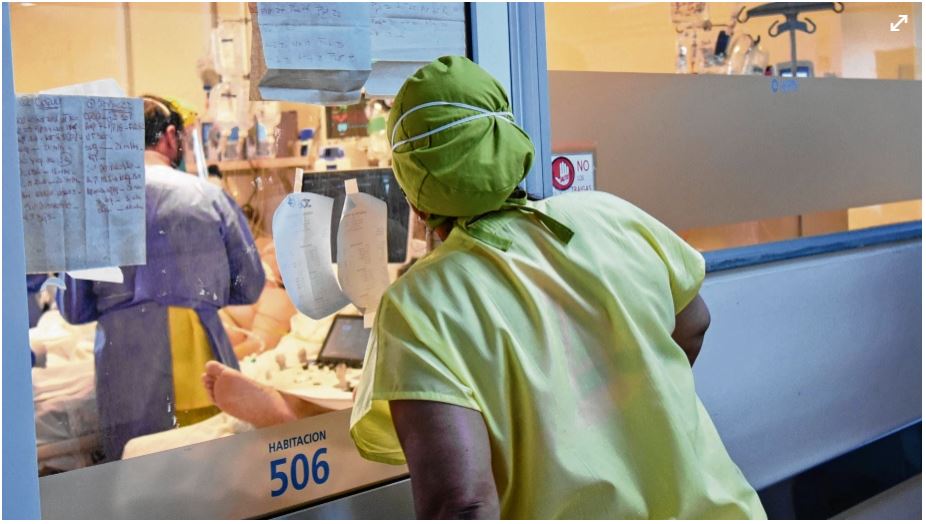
(103, 274)
(311, 52)
(81, 163)
(102, 87)
(362, 252)
(314, 13)
(317, 47)
(322, 53)
(302, 236)
(449, 11)
(415, 40)
(406, 36)
(309, 96)
(387, 77)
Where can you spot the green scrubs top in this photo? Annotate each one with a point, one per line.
(566, 350)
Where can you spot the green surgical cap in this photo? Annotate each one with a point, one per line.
(467, 169)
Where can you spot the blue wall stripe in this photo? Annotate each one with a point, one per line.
(725, 259)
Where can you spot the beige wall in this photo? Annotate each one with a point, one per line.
(610, 37)
(167, 40)
(871, 216)
(867, 30)
(57, 44)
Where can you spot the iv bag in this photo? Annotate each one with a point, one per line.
(228, 41)
(228, 104)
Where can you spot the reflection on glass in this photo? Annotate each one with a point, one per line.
(253, 360)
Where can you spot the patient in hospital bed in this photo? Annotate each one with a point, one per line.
(272, 388)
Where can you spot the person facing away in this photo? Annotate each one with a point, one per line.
(158, 328)
(536, 364)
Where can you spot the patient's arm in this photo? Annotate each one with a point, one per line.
(273, 312)
(232, 318)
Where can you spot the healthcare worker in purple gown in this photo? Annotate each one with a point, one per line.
(158, 328)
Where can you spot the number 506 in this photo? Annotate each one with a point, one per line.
(299, 472)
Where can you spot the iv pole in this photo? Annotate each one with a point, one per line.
(790, 10)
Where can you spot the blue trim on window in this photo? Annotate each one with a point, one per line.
(20, 468)
(529, 92)
(836, 485)
(725, 259)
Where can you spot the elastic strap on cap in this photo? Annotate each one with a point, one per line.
(483, 113)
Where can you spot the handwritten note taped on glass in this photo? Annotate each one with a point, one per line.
(325, 53)
(417, 32)
(311, 52)
(81, 162)
(406, 36)
(302, 236)
(362, 252)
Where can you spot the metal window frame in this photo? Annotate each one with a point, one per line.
(529, 96)
(509, 41)
(20, 469)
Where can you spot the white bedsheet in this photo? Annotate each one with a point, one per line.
(280, 368)
(63, 391)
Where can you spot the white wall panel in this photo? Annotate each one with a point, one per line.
(810, 358)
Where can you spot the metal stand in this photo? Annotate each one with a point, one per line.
(790, 10)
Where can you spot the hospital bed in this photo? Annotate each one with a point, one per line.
(298, 366)
(66, 424)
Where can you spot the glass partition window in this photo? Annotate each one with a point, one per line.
(847, 40)
(717, 156)
(203, 340)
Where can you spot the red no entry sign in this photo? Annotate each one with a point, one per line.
(564, 173)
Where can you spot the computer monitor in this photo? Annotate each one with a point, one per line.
(346, 342)
(378, 182)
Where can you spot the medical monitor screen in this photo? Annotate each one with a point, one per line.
(346, 342)
(347, 121)
(380, 183)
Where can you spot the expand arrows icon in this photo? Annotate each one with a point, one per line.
(901, 19)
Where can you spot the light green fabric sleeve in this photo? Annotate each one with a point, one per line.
(406, 360)
(685, 265)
